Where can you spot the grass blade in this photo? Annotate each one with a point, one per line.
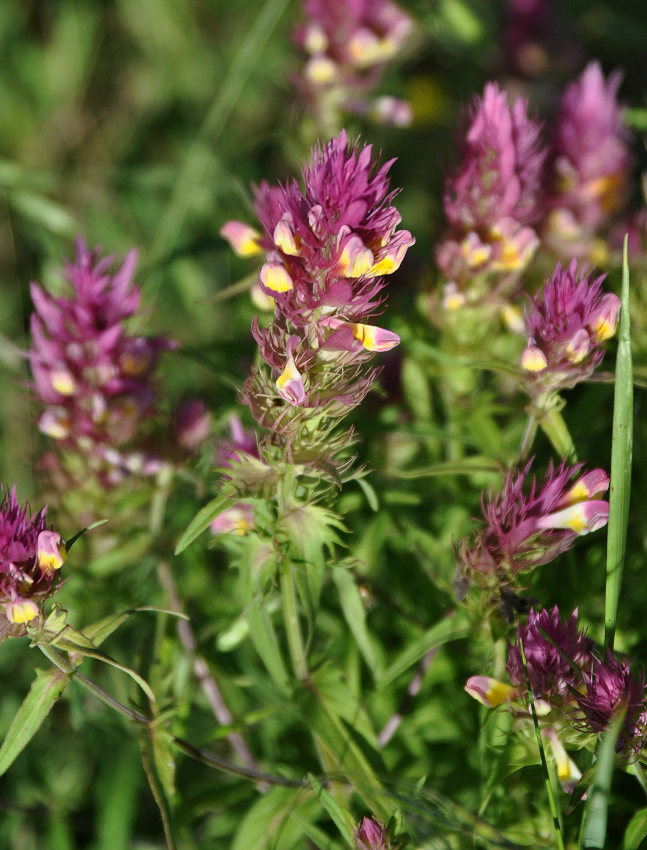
(595, 814)
(620, 464)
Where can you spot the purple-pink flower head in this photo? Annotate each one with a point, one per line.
(347, 43)
(241, 441)
(30, 556)
(557, 656)
(493, 198)
(590, 160)
(371, 835)
(610, 686)
(567, 324)
(93, 378)
(328, 246)
(527, 525)
(327, 249)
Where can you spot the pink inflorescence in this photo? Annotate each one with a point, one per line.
(526, 526)
(30, 556)
(567, 324)
(347, 43)
(590, 161)
(557, 656)
(92, 377)
(611, 686)
(327, 248)
(492, 200)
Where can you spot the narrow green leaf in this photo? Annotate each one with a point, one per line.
(621, 449)
(349, 758)
(355, 615)
(117, 799)
(371, 495)
(555, 428)
(45, 690)
(259, 827)
(449, 628)
(202, 520)
(597, 804)
(260, 625)
(342, 818)
(98, 631)
(69, 543)
(157, 787)
(464, 467)
(636, 832)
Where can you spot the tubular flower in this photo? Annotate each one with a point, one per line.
(566, 325)
(327, 249)
(610, 686)
(93, 378)
(30, 557)
(557, 657)
(590, 162)
(492, 200)
(347, 45)
(371, 835)
(529, 526)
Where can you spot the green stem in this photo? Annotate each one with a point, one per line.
(141, 720)
(65, 667)
(291, 620)
(542, 755)
(528, 436)
(638, 771)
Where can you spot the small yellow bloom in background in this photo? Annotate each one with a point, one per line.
(488, 691)
(242, 238)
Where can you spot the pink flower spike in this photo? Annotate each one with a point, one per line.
(50, 550)
(582, 517)
(290, 384)
(242, 238)
(488, 691)
(374, 338)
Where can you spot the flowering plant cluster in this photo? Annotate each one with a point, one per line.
(530, 524)
(570, 682)
(348, 45)
(512, 190)
(566, 325)
(327, 248)
(91, 376)
(31, 555)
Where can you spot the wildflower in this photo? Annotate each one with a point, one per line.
(371, 835)
(490, 692)
(327, 249)
(93, 378)
(529, 526)
(557, 655)
(566, 325)
(610, 686)
(30, 557)
(492, 200)
(590, 162)
(192, 425)
(348, 45)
